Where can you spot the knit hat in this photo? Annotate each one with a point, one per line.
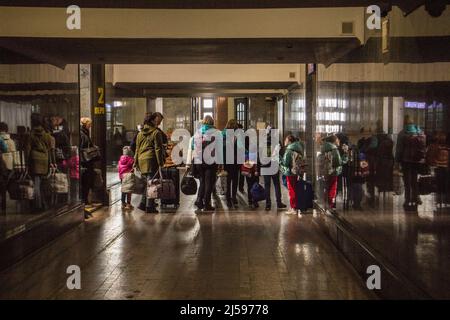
(126, 151)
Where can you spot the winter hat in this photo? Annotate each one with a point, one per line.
(126, 151)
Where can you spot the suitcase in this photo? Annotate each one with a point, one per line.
(305, 195)
(173, 174)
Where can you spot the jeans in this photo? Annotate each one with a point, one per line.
(276, 183)
(232, 181)
(410, 179)
(207, 182)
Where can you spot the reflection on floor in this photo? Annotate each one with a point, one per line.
(416, 243)
(232, 254)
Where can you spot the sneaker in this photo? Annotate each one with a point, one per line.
(268, 208)
(291, 211)
(281, 206)
(124, 206)
(299, 213)
(229, 204)
(129, 206)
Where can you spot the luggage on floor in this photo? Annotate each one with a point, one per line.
(258, 192)
(427, 185)
(21, 186)
(221, 183)
(171, 187)
(305, 195)
(133, 182)
(58, 182)
(398, 183)
(188, 184)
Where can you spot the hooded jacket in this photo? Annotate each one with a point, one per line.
(150, 154)
(38, 151)
(125, 165)
(286, 161)
(9, 143)
(337, 160)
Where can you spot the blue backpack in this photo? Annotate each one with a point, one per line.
(258, 192)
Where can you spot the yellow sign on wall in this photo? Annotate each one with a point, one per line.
(99, 110)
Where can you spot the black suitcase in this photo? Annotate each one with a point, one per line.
(173, 174)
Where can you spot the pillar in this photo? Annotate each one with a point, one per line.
(310, 117)
(98, 112)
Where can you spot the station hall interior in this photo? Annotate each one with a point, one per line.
(307, 68)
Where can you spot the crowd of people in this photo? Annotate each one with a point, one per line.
(39, 163)
(353, 169)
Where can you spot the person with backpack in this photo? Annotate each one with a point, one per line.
(410, 154)
(125, 166)
(331, 167)
(150, 155)
(291, 168)
(275, 178)
(232, 168)
(438, 156)
(39, 155)
(205, 171)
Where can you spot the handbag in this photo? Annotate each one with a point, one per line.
(133, 182)
(20, 186)
(427, 185)
(258, 192)
(163, 189)
(188, 184)
(221, 183)
(58, 182)
(90, 154)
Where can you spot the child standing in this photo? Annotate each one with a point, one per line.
(126, 162)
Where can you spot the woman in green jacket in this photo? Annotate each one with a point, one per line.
(150, 154)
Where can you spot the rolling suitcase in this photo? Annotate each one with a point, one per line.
(173, 174)
(305, 195)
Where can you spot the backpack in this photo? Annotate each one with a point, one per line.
(438, 156)
(414, 148)
(326, 163)
(297, 164)
(362, 166)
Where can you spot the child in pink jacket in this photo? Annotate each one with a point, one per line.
(126, 162)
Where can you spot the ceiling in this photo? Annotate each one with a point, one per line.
(211, 4)
(62, 51)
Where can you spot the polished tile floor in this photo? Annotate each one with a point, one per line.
(232, 254)
(418, 242)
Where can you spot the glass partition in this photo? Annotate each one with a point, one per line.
(39, 115)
